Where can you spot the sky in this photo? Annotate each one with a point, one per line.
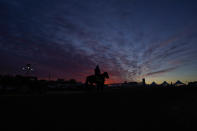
(129, 39)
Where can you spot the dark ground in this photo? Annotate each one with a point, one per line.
(113, 110)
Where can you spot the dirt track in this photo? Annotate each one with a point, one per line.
(133, 109)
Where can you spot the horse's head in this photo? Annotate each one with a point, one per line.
(105, 74)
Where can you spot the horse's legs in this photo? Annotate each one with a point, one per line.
(98, 87)
(89, 82)
(102, 88)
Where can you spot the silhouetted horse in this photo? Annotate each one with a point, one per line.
(98, 80)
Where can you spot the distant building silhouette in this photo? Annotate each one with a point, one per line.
(165, 84)
(179, 83)
(192, 84)
(60, 80)
(153, 84)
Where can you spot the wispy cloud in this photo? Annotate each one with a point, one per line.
(160, 72)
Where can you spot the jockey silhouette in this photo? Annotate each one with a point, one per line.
(97, 71)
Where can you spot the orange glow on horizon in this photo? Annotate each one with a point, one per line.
(111, 81)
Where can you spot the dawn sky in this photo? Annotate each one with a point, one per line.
(130, 39)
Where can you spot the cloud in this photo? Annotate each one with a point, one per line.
(160, 72)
